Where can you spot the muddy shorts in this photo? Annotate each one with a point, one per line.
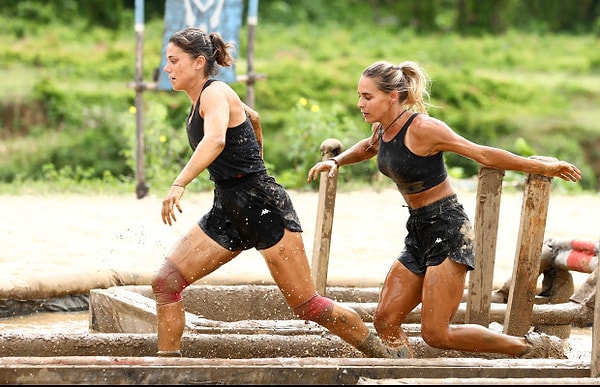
(249, 212)
(435, 232)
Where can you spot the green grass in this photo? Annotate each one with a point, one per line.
(544, 88)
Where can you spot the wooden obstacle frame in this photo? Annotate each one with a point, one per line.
(534, 210)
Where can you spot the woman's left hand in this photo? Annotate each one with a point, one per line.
(170, 202)
(321, 166)
(564, 170)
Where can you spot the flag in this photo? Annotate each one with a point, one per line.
(222, 16)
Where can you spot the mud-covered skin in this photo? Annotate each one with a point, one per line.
(541, 345)
(374, 347)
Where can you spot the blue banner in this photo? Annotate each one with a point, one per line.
(222, 16)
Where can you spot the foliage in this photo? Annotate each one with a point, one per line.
(41, 13)
(467, 17)
(165, 148)
(309, 127)
(520, 91)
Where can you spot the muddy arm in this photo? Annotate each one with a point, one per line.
(255, 121)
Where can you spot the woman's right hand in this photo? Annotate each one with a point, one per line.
(322, 166)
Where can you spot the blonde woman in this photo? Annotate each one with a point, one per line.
(438, 250)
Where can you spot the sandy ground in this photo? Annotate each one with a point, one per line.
(74, 235)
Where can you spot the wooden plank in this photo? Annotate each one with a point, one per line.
(487, 213)
(272, 371)
(482, 381)
(242, 346)
(260, 343)
(534, 211)
(325, 209)
(595, 360)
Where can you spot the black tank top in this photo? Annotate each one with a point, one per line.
(241, 155)
(411, 173)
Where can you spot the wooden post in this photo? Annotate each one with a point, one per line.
(534, 211)
(327, 191)
(252, 21)
(595, 360)
(141, 189)
(481, 280)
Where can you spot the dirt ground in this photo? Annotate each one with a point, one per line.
(65, 235)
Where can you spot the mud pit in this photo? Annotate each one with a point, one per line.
(124, 236)
(236, 321)
(244, 334)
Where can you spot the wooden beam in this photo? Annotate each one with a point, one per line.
(272, 371)
(322, 242)
(487, 213)
(534, 211)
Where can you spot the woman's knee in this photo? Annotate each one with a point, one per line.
(387, 321)
(317, 309)
(168, 284)
(435, 336)
(380, 322)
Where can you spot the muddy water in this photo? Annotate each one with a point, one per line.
(66, 322)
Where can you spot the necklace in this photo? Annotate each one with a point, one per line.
(374, 138)
(381, 132)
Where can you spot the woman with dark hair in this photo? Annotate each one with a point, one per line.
(250, 209)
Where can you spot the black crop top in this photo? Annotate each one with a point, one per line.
(241, 155)
(411, 173)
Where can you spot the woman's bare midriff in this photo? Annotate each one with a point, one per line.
(433, 194)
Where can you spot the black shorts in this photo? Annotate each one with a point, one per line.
(438, 231)
(249, 212)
